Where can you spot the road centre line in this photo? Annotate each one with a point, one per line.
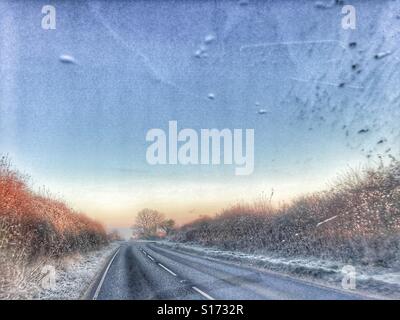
(166, 269)
(205, 295)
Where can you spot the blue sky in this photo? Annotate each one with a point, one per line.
(80, 128)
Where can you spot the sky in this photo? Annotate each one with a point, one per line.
(79, 128)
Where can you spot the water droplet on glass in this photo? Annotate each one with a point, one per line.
(208, 39)
(66, 58)
(262, 111)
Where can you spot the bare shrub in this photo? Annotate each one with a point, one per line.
(356, 220)
(35, 225)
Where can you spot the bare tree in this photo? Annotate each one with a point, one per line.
(168, 225)
(147, 222)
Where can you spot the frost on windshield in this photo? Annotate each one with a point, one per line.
(89, 92)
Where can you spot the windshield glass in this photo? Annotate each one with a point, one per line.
(191, 108)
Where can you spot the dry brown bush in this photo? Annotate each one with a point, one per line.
(36, 225)
(364, 208)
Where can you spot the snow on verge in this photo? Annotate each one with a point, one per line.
(378, 281)
(76, 273)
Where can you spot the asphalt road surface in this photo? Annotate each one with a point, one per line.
(145, 270)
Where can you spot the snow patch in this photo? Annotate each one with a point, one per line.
(378, 281)
(75, 274)
(72, 277)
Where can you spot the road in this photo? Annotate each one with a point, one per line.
(146, 270)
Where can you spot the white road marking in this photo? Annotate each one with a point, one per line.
(96, 294)
(205, 295)
(150, 257)
(166, 269)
